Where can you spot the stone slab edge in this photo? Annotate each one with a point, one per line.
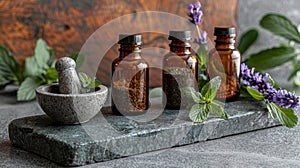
(88, 152)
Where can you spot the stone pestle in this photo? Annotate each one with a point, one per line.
(68, 79)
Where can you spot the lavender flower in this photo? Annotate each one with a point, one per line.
(260, 83)
(195, 13)
(196, 18)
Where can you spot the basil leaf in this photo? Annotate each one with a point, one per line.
(42, 54)
(26, 91)
(271, 58)
(286, 116)
(247, 39)
(199, 112)
(218, 110)
(32, 68)
(281, 26)
(255, 94)
(10, 69)
(210, 89)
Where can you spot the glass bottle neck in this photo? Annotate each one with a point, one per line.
(133, 51)
(180, 47)
(225, 42)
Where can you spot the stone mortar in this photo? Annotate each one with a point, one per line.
(70, 108)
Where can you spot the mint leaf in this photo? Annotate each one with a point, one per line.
(51, 75)
(255, 94)
(271, 58)
(218, 110)
(272, 81)
(247, 39)
(51, 62)
(10, 69)
(210, 89)
(197, 97)
(32, 68)
(281, 26)
(286, 116)
(94, 83)
(41, 54)
(84, 79)
(26, 91)
(199, 112)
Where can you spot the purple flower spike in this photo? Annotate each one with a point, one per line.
(257, 81)
(195, 13)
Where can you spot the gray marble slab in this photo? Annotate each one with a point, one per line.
(108, 137)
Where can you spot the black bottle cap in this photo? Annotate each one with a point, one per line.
(180, 35)
(130, 39)
(225, 31)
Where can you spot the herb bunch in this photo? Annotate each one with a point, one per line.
(279, 101)
(39, 70)
(283, 27)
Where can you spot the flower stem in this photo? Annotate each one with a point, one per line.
(198, 31)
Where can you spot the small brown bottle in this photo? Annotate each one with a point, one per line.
(130, 78)
(224, 61)
(180, 69)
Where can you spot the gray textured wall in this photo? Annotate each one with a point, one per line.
(250, 13)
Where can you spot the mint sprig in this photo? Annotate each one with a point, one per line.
(286, 116)
(205, 103)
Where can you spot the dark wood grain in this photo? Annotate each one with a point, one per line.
(66, 25)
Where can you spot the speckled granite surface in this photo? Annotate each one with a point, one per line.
(273, 147)
(108, 137)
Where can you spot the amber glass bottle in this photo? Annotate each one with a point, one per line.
(180, 69)
(225, 61)
(130, 78)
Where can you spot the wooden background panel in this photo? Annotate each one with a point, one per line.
(67, 24)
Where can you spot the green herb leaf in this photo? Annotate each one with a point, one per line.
(32, 68)
(271, 58)
(9, 67)
(84, 79)
(286, 116)
(255, 94)
(296, 69)
(247, 40)
(273, 82)
(210, 89)
(41, 54)
(26, 92)
(197, 97)
(94, 83)
(218, 110)
(199, 112)
(51, 75)
(51, 62)
(281, 26)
